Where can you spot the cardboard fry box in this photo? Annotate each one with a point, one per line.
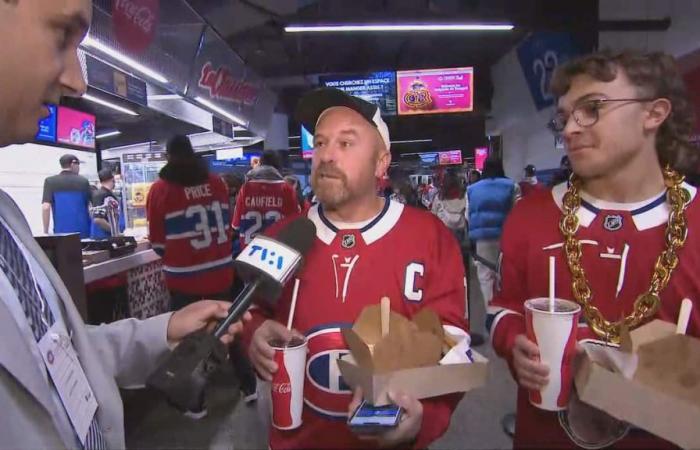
(663, 394)
(407, 359)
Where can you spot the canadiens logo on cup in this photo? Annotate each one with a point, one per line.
(554, 332)
(287, 386)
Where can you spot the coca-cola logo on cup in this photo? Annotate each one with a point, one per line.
(222, 85)
(135, 22)
(282, 388)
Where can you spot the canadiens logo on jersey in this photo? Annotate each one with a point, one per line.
(325, 392)
(612, 222)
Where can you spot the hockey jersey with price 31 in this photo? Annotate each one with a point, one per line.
(349, 267)
(189, 228)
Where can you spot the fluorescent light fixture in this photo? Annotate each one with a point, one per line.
(399, 27)
(113, 106)
(230, 153)
(221, 111)
(104, 48)
(108, 134)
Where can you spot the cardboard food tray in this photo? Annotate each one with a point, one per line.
(406, 359)
(663, 396)
(420, 382)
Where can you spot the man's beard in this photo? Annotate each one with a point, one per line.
(330, 186)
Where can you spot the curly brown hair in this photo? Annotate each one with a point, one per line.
(656, 75)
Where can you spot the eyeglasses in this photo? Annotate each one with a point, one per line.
(586, 114)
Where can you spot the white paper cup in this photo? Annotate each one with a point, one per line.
(555, 335)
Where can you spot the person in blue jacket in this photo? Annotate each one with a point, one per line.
(489, 200)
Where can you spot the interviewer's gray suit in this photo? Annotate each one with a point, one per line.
(120, 354)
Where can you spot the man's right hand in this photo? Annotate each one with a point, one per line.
(261, 353)
(531, 373)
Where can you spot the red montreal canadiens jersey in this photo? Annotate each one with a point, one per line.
(261, 203)
(189, 227)
(346, 270)
(620, 245)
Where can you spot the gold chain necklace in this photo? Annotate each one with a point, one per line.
(648, 303)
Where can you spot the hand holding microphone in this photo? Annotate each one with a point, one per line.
(266, 265)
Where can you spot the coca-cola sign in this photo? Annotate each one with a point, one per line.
(135, 22)
(282, 388)
(222, 85)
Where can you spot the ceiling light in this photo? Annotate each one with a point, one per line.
(221, 111)
(97, 45)
(113, 106)
(399, 27)
(108, 134)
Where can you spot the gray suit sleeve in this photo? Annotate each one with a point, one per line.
(130, 349)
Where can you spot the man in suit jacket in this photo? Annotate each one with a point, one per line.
(40, 64)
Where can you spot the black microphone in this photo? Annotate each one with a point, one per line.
(266, 265)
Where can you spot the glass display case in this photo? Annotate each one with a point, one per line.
(139, 172)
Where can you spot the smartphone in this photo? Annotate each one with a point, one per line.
(370, 419)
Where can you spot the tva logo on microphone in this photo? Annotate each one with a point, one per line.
(266, 255)
(270, 256)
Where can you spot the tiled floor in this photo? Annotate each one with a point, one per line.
(151, 424)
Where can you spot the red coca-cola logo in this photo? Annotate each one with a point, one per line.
(282, 388)
(222, 85)
(135, 22)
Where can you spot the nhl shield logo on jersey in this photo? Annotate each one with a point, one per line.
(612, 222)
(348, 241)
(325, 392)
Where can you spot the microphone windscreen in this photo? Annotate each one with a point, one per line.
(299, 234)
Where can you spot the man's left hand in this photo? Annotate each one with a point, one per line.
(409, 425)
(199, 315)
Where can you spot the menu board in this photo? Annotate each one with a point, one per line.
(75, 128)
(435, 91)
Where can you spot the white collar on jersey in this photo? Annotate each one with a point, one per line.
(371, 232)
(646, 214)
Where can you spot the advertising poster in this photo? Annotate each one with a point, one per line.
(450, 157)
(75, 128)
(435, 91)
(377, 87)
(47, 126)
(480, 155)
(307, 143)
(539, 55)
